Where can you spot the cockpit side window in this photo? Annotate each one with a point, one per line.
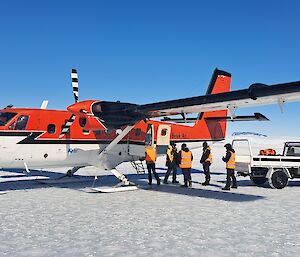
(21, 122)
(5, 117)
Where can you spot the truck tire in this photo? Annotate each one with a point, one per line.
(259, 180)
(278, 179)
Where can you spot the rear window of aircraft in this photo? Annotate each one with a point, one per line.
(21, 122)
(51, 129)
(5, 117)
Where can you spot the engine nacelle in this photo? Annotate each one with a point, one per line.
(90, 123)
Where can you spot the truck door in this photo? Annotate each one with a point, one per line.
(163, 139)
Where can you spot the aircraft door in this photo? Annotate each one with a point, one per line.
(163, 139)
(149, 140)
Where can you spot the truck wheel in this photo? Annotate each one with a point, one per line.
(258, 180)
(278, 179)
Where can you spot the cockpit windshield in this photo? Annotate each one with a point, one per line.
(5, 117)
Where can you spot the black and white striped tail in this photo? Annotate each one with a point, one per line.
(74, 77)
(67, 126)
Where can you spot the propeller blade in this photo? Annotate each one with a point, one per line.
(74, 77)
(67, 125)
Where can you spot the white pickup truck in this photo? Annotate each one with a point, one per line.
(277, 169)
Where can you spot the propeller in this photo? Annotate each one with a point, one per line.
(68, 124)
(74, 77)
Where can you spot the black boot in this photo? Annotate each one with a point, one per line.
(226, 188)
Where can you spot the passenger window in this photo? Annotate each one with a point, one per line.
(21, 122)
(51, 129)
(138, 132)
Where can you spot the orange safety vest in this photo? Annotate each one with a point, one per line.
(209, 159)
(231, 162)
(186, 160)
(150, 154)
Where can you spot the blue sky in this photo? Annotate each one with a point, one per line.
(148, 51)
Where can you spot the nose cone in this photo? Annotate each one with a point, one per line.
(85, 106)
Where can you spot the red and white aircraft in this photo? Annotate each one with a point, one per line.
(104, 134)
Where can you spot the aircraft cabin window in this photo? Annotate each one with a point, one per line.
(5, 117)
(51, 129)
(21, 122)
(138, 132)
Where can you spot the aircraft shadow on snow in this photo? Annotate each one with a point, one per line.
(139, 179)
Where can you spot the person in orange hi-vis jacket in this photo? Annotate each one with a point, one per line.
(230, 166)
(185, 163)
(150, 161)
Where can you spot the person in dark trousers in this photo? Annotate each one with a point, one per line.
(185, 159)
(206, 160)
(150, 161)
(230, 166)
(171, 163)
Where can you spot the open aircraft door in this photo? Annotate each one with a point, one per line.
(163, 139)
(149, 140)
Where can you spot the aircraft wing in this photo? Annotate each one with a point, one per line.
(218, 97)
(255, 95)
(116, 114)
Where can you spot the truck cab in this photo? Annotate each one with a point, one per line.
(291, 149)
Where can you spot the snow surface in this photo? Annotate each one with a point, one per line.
(68, 220)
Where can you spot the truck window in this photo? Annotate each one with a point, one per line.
(21, 122)
(293, 151)
(242, 148)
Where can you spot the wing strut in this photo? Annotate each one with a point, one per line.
(123, 179)
(113, 143)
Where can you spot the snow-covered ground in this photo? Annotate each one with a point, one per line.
(68, 220)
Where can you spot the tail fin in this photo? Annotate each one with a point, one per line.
(215, 129)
